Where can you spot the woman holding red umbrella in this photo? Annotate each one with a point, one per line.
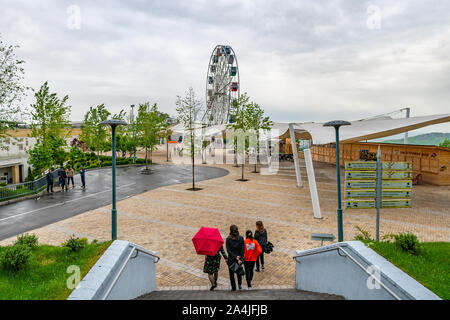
(209, 242)
(212, 266)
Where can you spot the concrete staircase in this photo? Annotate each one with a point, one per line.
(242, 295)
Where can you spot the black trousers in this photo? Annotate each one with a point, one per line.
(249, 268)
(260, 258)
(68, 181)
(232, 280)
(50, 186)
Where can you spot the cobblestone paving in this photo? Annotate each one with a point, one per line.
(165, 220)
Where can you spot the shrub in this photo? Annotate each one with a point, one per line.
(407, 242)
(75, 244)
(363, 235)
(15, 257)
(106, 163)
(29, 240)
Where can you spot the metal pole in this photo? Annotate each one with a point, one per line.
(408, 110)
(338, 170)
(134, 143)
(378, 198)
(114, 210)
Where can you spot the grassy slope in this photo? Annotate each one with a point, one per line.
(430, 268)
(433, 139)
(44, 278)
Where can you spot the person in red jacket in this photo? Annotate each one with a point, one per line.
(252, 251)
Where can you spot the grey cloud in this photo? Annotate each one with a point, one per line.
(313, 59)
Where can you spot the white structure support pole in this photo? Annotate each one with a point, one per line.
(312, 184)
(295, 153)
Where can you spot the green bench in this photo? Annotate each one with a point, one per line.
(322, 237)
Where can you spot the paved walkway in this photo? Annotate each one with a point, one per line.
(242, 295)
(165, 219)
(30, 214)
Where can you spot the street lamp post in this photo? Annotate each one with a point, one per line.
(114, 124)
(337, 124)
(134, 143)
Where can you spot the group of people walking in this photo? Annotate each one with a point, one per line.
(243, 255)
(65, 177)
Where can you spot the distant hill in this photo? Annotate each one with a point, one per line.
(428, 139)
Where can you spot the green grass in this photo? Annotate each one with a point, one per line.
(431, 267)
(45, 276)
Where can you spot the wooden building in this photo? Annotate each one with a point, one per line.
(431, 162)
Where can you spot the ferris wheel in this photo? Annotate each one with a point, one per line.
(222, 85)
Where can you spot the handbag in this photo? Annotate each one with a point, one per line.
(268, 248)
(237, 268)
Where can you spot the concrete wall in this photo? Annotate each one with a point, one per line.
(138, 277)
(329, 272)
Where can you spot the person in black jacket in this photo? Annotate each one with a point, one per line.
(62, 178)
(261, 237)
(49, 177)
(235, 249)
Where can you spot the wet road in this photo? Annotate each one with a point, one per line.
(30, 214)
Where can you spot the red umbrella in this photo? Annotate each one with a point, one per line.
(207, 241)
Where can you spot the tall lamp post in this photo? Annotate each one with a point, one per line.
(114, 123)
(134, 143)
(337, 124)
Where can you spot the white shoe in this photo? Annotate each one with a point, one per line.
(249, 288)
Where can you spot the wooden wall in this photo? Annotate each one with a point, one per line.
(431, 161)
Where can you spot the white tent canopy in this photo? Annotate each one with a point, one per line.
(367, 129)
(359, 130)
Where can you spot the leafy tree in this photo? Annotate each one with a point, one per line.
(93, 134)
(12, 91)
(445, 143)
(50, 126)
(148, 127)
(188, 109)
(124, 135)
(241, 125)
(257, 122)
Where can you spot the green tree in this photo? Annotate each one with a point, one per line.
(50, 126)
(148, 127)
(12, 90)
(188, 109)
(93, 134)
(445, 143)
(257, 122)
(240, 126)
(124, 135)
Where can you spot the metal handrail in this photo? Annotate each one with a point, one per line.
(355, 261)
(129, 257)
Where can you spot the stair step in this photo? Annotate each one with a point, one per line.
(256, 294)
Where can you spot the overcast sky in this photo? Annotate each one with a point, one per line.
(300, 60)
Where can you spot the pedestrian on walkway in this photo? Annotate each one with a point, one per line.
(62, 178)
(252, 251)
(212, 266)
(261, 237)
(83, 177)
(70, 174)
(49, 178)
(236, 250)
